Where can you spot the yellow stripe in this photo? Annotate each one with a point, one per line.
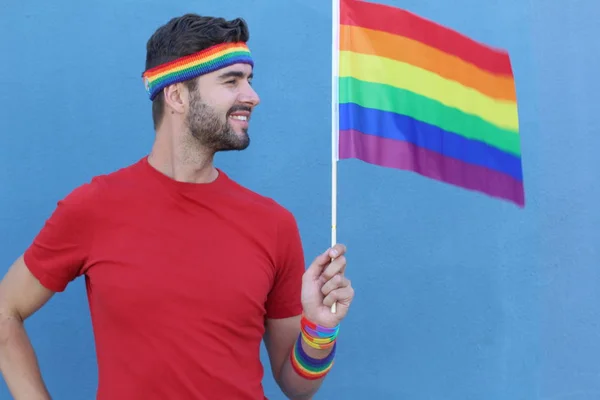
(386, 71)
(187, 65)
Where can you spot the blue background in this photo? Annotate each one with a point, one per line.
(458, 296)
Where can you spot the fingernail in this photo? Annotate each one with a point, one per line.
(333, 253)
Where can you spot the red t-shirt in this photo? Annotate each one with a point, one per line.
(180, 278)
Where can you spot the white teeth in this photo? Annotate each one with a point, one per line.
(240, 117)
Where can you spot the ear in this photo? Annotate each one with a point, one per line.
(176, 98)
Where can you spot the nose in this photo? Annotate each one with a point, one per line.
(249, 96)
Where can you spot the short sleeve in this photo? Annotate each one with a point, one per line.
(59, 251)
(284, 300)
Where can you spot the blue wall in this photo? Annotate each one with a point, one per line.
(460, 297)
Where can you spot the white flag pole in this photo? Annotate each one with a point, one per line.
(335, 23)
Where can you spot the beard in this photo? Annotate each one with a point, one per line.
(211, 130)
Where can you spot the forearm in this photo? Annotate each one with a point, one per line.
(309, 362)
(294, 383)
(18, 362)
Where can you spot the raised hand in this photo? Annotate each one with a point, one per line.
(325, 283)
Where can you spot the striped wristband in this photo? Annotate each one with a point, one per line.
(317, 337)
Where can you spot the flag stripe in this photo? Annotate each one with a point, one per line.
(372, 42)
(400, 101)
(402, 128)
(407, 156)
(403, 23)
(405, 76)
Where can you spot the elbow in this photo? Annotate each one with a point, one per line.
(8, 321)
(300, 397)
(292, 392)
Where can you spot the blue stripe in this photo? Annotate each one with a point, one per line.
(401, 127)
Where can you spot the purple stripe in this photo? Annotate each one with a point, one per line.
(406, 156)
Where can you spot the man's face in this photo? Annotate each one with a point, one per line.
(220, 108)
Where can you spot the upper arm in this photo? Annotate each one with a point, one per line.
(280, 336)
(284, 299)
(61, 249)
(21, 294)
(284, 303)
(56, 256)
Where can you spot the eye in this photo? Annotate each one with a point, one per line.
(231, 82)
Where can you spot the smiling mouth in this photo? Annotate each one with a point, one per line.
(240, 117)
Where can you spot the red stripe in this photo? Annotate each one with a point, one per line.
(403, 23)
(409, 157)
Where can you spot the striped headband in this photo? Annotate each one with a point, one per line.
(193, 65)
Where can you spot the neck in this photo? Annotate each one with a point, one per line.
(182, 158)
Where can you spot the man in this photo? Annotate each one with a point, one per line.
(186, 271)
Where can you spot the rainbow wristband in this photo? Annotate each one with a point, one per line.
(308, 367)
(316, 336)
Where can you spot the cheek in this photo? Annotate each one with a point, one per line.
(221, 108)
(221, 100)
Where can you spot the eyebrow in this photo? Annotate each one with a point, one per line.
(234, 74)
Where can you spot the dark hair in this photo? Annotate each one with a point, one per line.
(185, 35)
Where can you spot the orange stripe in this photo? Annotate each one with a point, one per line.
(367, 41)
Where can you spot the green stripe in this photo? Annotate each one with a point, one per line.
(391, 99)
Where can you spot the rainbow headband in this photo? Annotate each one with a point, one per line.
(189, 67)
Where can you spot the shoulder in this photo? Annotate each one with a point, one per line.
(123, 177)
(91, 194)
(266, 206)
(280, 223)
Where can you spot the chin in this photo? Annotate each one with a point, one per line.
(242, 134)
(244, 145)
(239, 142)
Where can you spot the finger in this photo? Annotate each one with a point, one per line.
(337, 266)
(322, 260)
(342, 296)
(318, 264)
(338, 281)
(337, 250)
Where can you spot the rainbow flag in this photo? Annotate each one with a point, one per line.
(417, 96)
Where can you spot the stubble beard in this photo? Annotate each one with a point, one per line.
(211, 131)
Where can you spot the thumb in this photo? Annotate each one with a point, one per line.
(320, 262)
